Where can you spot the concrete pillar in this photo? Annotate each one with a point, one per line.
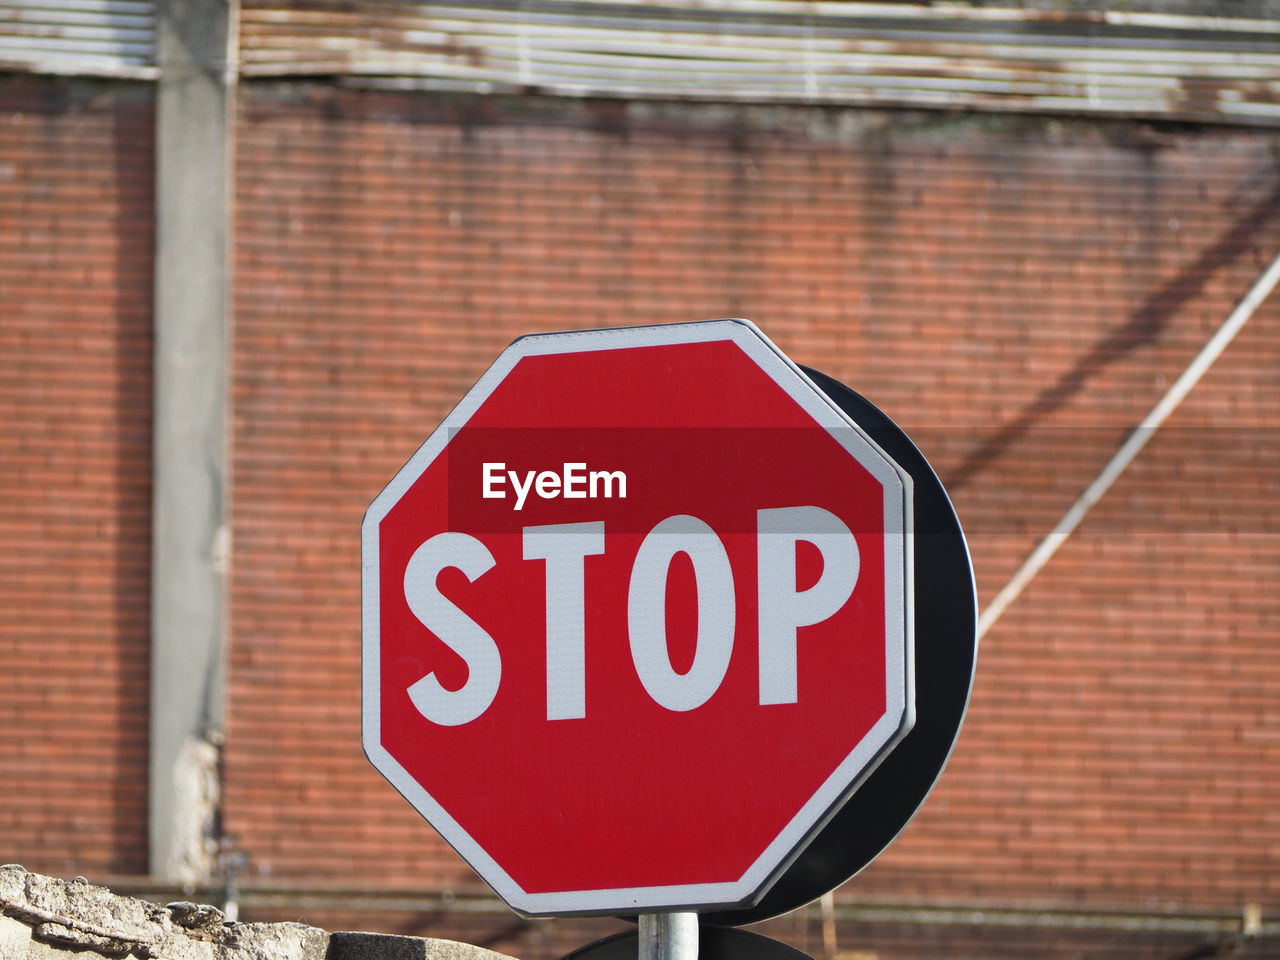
(195, 46)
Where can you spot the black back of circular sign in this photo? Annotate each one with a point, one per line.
(714, 943)
(946, 618)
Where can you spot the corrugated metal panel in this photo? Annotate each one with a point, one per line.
(951, 55)
(112, 38)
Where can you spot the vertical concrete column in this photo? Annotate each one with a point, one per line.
(195, 50)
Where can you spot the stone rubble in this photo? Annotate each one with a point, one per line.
(45, 918)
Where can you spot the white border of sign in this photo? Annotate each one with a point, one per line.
(899, 604)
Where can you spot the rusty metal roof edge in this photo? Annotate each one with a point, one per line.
(952, 56)
(959, 11)
(91, 38)
(886, 100)
(818, 12)
(104, 68)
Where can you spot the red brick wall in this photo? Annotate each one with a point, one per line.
(1015, 293)
(75, 474)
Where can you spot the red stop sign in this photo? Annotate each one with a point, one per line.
(636, 618)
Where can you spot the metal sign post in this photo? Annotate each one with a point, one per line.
(668, 936)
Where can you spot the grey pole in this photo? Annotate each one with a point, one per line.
(195, 91)
(668, 936)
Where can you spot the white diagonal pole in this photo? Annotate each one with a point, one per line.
(1136, 440)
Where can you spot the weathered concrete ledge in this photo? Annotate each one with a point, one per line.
(44, 918)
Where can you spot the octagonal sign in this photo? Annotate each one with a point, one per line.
(636, 619)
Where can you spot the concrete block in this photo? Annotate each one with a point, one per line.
(272, 941)
(182, 947)
(13, 882)
(86, 915)
(15, 937)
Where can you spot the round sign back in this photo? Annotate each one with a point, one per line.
(946, 621)
(714, 943)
